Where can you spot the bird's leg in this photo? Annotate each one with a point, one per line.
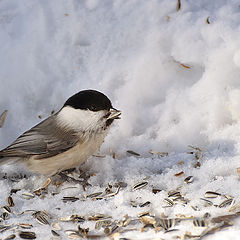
(68, 178)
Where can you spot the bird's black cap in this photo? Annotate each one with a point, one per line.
(89, 99)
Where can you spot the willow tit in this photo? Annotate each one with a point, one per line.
(67, 138)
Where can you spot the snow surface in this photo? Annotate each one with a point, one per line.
(173, 74)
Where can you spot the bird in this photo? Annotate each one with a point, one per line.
(67, 138)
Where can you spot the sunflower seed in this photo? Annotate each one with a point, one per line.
(225, 203)
(199, 223)
(211, 194)
(139, 185)
(133, 153)
(188, 179)
(27, 235)
(12, 236)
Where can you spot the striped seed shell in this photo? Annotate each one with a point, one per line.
(199, 223)
(189, 179)
(167, 223)
(27, 235)
(225, 203)
(169, 202)
(139, 185)
(211, 194)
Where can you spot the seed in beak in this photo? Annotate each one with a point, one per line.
(113, 114)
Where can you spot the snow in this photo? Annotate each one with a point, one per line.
(174, 74)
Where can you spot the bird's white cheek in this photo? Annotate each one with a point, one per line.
(80, 120)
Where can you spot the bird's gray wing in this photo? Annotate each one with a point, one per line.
(45, 139)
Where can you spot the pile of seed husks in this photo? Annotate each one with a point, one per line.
(174, 223)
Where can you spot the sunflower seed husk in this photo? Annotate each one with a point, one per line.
(188, 179)
(25, 225)
(156, 190)
(102, 223)
(3, 117)
(113, 193)
(178, 5)
(206, 215)
(56, 226)
(4, 216)
(139, 185)
(160, 154)
(72, 218)
(179, 174)
(125, 221)
(211, 194)
(27, 195)
(148, 220)
(7, 209)
(4, 228)
(199, 223)
(70, 199)
(133, 153)
(144, 204)
(174, 193)
(207, 201)
(225, 203)
(167, 223)
(93, 195)
(10, 202)
(54, 233)
(133, 203)
(98, 216)
(169, 202)
(45, 185)
(111, 229)
(12, 236)
(141, 214)
(27, 235)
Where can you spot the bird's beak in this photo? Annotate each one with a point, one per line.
(114, 114)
